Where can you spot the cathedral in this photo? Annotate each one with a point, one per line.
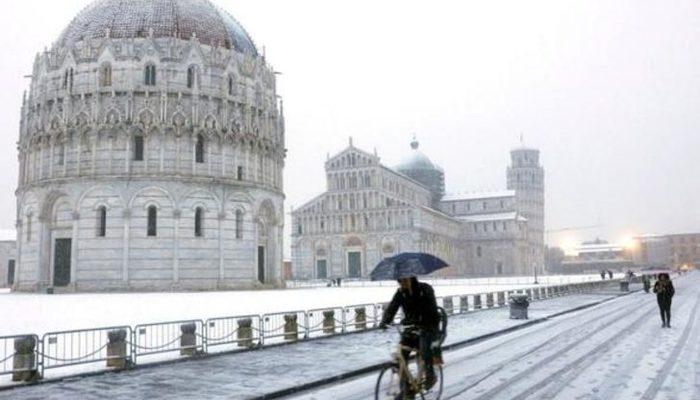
(370, 211)
(151, 153)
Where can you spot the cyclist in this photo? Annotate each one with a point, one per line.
(417, 299)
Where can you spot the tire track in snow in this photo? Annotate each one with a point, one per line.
(527, 373)
(659, 380)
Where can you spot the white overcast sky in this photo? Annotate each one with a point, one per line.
(609, 90)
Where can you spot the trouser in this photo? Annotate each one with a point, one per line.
(423, 343)
(665, 310)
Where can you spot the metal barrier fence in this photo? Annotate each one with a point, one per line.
(27, 358)
(186, 337)
(76, 347)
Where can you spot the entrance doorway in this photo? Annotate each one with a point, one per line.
(11, 272)
(354, 264)
(61, 262)
(321, 269)
(261, 264)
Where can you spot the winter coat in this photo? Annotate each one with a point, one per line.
(664, 290)
(419, 307)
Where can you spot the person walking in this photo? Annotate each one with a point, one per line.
(647, 282)
(664, 293)
(602, 275)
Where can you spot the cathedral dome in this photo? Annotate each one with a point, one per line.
(417, 160)
(183, 19)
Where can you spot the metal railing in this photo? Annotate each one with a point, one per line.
(123, 346)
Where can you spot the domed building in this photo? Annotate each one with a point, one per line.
(420, 168)
(151, 153)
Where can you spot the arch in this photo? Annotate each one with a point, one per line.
(266, 212)
(150, 74)
(140, 192)
(81, 199)
(105, 74)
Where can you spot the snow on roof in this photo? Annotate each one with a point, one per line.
(8, 234)
(492, 217)
(478, 196)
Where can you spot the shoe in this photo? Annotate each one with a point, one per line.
(429, 382)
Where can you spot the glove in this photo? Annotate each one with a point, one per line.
(383, 326)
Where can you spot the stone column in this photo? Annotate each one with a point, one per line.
(188, 339)
(116, 349)
(245, 332)
(24, 360)
(291, 327)
(360, 318)
(176, 246)
(329, 322)
(125, 251)
(464, 304)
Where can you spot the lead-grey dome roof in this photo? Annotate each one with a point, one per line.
(166, 18)
(416, 161)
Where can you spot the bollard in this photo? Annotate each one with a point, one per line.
(448, 305)
(24, 360)
(624, 286)
(245, 332)
(360, 318)
(489, 300)
(464, 304)
(188, 339)
(518, 306)
(116, 349)
(477, 302)
(501, 299)
(329, 322)
(291, 327)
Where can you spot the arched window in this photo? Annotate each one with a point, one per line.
(61, 154)
(199, 149)
(68, 79)
(239, 224)
(191, 77)
(106, 75)
(138, 148)
(150, 75)
(102, 221)
(152, 221)
(198, 222)
(231, 85)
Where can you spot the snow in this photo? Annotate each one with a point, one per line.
(478, 196)
(40, 313)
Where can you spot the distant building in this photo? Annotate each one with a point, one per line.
(598, 255)
(684, 250)
(652, 251)
(8, 267)
(370, 211)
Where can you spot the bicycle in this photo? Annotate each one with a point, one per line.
(390, 378)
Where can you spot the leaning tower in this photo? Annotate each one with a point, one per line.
(526, 178)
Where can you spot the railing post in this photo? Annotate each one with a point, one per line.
(188, 339)
(329, 322)
(477, 301)
(116, 349)
(291, 327)
(489, 300)
(245, 332)
(24, 359)
(361, 318)
(448, 305)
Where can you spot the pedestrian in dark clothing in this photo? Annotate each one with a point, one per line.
(417, 299)
(647, 283)
(602, 275)
(611, 274)
(664, 293)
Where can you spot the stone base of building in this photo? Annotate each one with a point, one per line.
(134, 287)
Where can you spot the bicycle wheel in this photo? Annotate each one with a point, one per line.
(436, 391)
(388, 384)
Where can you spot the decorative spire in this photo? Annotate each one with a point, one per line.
(415, 143)
(350, 141)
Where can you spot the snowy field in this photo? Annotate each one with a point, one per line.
(38, 313)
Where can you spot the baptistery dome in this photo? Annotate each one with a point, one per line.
(151, 153)
(180, 19)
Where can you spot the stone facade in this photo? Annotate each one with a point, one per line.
(8, 264)
(151, 159)
(370, 212)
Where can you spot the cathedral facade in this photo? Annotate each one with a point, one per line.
(151, 154)
(370, 212)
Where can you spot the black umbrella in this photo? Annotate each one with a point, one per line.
(406, 265)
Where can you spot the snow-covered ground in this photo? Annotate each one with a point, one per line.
(617, 350)
(38, 313)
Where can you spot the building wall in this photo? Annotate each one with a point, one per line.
(215, 142)
(684, 250)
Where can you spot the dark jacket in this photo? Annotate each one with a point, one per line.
(419, 308)
(664, 290)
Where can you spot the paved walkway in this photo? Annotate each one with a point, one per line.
(617, 350)
(245, 375)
